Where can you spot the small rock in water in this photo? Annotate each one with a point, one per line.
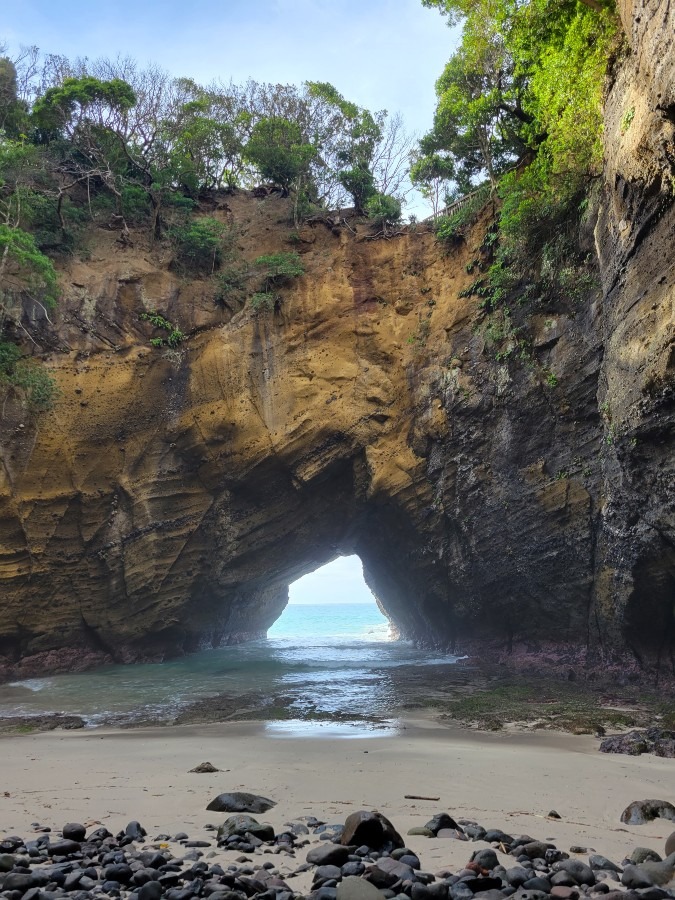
(240, 801)
(206, 768)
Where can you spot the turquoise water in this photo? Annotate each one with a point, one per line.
(330, 660)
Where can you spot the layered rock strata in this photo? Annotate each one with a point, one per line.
(171, 496)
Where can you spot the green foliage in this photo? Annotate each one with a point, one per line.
(359, 182)
(231, 282)
(36, 269)
(627, 119)
(157, 320)
(383, 209)
(277, 149)
(262, 301)
(520, 104)
(28, 376)
(13, 112)
(198, 245)
(275, 268)
(71, 100)
(452, 227)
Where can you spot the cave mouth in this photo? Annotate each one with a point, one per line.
(332, 603)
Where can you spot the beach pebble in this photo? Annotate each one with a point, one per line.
(635, 877)
(152, 890)
(204, 768)
(135, 831)
(421, 830)
(353, 868)
(241, 801)
(579, 871)
(670, 844)
(597, 861)
(553, 814)
(563, 892)
(486, 859)
(408, 858)
(327, 873)
(491, 894)
(538, 883)
(533, 849)
(496, 836)
(6, 862)
(240, 825)
(381, 878)
(460, 891)
(517, 876)
(353, 888)
(73, 831)
(371, 828)
(442, 821)
(63, 848)
(644, 854)
(328, 855)
(396, 868)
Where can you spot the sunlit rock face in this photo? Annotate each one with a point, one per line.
(169, 499)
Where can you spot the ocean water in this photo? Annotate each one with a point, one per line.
(322, 662)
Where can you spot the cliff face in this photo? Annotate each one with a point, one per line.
(172, 495)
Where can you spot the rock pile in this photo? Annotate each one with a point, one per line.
(364, 859)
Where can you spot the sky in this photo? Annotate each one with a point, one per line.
(381, 54)
(341, 581)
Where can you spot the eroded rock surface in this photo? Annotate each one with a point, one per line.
(171, 496)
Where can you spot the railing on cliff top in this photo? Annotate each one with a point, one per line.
(457, 205)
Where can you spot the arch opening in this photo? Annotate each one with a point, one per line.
(332, 602)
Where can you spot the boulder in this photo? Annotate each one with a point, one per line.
(240, 801)
(242, 825)
(372, 829)
(639, 812)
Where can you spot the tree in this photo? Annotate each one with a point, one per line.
(433, 176)
(13, 113)
(25, 272)
(383, 209)
(277, 149)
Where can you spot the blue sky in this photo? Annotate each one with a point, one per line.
(338, 582)
(382, 54)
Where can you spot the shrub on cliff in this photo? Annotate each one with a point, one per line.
(198, 245)
(383, 210)
(27, 377)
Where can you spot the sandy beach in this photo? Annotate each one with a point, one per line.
(509, 781)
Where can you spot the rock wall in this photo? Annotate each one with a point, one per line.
(525, 507)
